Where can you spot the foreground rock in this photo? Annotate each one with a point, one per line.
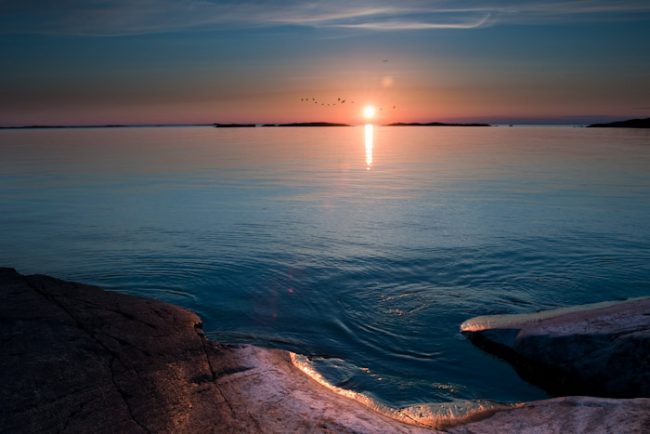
(567, 415)
(601, 349)
(77, 359)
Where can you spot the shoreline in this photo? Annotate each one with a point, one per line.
(126, 363)
(598, 349)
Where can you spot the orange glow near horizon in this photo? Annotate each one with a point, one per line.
(406, 104)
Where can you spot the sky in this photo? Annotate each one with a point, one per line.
(79, 62)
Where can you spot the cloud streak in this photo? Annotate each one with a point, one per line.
(128, 17)
(417, 24)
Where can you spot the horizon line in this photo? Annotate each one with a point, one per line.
(568, 120)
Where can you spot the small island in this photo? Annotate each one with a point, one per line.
(45, 127)
(436, 124)
(235, 125)
(630, 123)
(76, 126)
(307, 124)
(292, 124)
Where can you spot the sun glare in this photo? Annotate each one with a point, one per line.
(369, 139)
(369, 112)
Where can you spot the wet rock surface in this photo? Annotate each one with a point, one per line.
(78, 359)
(597, 350)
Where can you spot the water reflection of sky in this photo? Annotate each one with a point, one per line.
(282, 236)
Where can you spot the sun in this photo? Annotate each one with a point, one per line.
(369, 112)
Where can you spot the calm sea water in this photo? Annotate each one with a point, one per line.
(364, 246)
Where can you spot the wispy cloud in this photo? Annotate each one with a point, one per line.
(124, 17)
(416, 24)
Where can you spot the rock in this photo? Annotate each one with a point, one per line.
(567, 415)
(77, 359)
(600, 350)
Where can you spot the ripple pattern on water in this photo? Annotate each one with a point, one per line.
(284, 239)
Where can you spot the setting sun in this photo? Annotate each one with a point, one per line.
(369, 112)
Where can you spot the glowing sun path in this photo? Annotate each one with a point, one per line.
(369, 131)
(368, 114)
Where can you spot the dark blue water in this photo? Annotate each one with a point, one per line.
(368, 251)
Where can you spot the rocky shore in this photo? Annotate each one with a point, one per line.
(76, 358)
(601, 349)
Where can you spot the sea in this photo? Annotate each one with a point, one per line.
(361, 247)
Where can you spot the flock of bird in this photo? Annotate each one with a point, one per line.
(339, 101)
(315, 101)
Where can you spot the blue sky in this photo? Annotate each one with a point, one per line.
(145, 61)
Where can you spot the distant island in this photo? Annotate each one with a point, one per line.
(53, 127)
(436, 124)
(37, 127)
(216, 125)
(235, 125)
(292, 124)
(630, 123)
(307, 124)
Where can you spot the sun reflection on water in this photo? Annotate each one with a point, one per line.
(369, 132)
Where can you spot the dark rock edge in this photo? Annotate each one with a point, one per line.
(601, 349)
(76, 358)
